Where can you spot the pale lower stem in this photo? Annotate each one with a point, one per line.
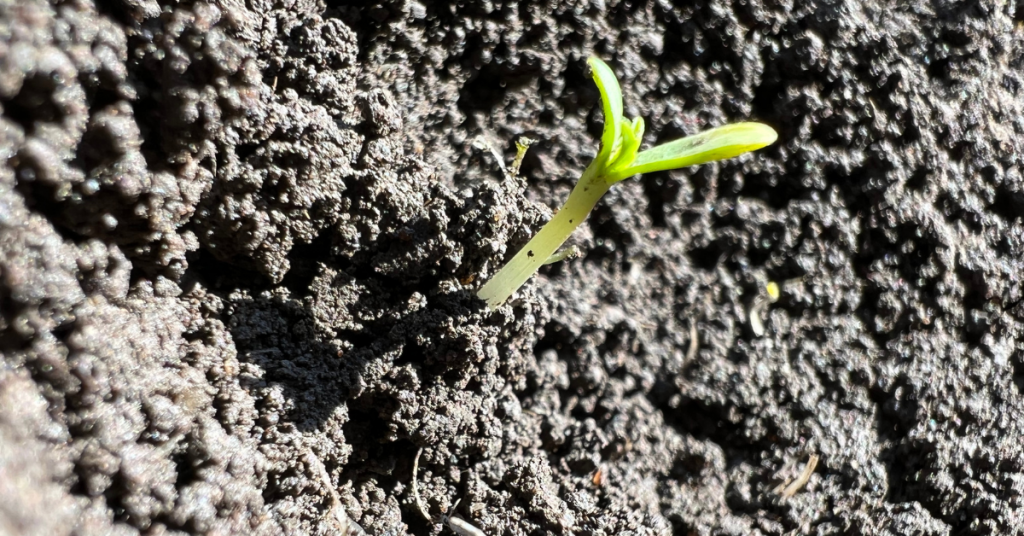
(529, 259)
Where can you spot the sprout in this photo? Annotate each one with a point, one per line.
(616, 160)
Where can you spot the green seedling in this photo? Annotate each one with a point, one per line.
(618, 159)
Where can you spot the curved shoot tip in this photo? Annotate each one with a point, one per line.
(632, 134)
(611, 102)
(716, 144)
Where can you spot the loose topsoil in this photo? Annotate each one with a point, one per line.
(240, 240)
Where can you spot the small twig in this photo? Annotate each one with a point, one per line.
(783, 476)
(787, 491)
(481, 143)
(415, 487)
(457, 524)
(460, 526)
(801, 480)
(691, 352)
(754, 315)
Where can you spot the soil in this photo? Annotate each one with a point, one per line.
(239, 244)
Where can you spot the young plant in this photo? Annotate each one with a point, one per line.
(616, 160)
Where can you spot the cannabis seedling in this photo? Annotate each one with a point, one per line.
(618, 159)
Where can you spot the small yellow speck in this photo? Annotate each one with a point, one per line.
(773, 291)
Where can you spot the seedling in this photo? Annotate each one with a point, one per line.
(618, 159)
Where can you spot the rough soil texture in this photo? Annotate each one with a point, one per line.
(239, 243)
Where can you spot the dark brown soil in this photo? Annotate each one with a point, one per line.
(240, 239)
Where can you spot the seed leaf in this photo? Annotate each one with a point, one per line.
(715, 144)
(611, 102)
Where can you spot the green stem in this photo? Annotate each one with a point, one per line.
(581, 201)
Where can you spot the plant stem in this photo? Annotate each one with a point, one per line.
(581, 201)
